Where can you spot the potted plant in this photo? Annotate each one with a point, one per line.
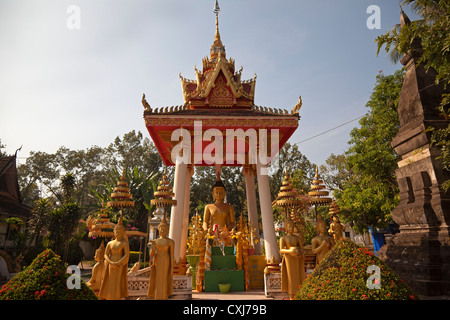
(224, 287)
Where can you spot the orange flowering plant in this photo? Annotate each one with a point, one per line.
(346, 273)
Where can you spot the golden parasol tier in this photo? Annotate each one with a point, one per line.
(318, 196)
(120, 204)
(288, 197)
(163, 194)
(121, 196)
(100, 226)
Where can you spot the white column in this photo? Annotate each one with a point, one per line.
(249, 175)
(187, 197)
(176, 216)
(265, 201)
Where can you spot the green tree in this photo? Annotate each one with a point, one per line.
(41, 170)
(68, 185)
(433, 32)
(40, 176)
(371, 192)
(335, 171)
(39, 218)
(302, 170)
(13, 223)
(133, 150)
(62, 222)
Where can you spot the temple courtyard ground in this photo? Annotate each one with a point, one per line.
(86, 271)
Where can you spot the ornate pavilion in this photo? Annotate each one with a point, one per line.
(218, 124)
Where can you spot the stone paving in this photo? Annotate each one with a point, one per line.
(245, 295)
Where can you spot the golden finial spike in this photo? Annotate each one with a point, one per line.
(217, 48)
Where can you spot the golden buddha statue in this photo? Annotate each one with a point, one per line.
(219, 213)
(161, 275)
(322, 243)
(98, 270)
(293, 262)
(115, 282)
(336, 229)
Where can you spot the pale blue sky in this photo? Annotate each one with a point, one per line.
(83, 87)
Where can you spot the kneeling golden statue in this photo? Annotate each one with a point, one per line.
(98, 270)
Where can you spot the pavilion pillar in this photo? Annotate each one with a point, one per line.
(249, 175)
(185, 228)
(270, 240)
(177, 213)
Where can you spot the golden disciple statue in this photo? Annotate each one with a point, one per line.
(115, 282)
(219, 212)
(336, 229)
(322, 243)
(98, 270)
(161, 275)
(293, 263)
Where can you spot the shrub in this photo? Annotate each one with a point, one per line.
(343, 275)
(44, 279)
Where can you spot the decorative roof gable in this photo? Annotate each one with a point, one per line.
(197, 93)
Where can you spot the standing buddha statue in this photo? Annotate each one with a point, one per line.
(161, 275)
(293, 262)
(115, 282)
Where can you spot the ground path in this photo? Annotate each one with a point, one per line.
(244, 295)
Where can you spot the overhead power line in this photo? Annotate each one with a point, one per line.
(322, 133)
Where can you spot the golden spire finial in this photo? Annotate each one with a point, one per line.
(217, 48)
(217, 35)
